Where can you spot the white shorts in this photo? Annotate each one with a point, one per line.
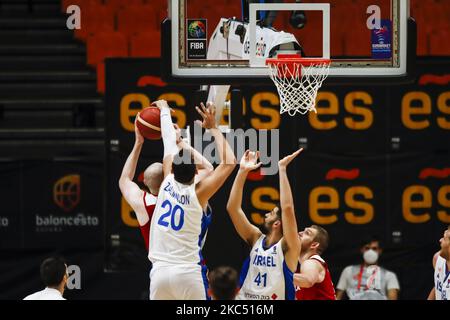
(178, 282)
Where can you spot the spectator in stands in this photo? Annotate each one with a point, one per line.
(54, 276)
(368, 281)
(223, 283)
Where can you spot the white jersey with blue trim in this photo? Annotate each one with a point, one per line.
(179, 225)
(442, 279)
(265, 275)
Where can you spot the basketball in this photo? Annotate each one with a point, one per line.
(148, 123)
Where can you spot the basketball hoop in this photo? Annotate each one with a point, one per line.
(297, 80)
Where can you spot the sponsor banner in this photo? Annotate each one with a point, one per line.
(419, 118)
(63, 206)
(382, 41)
(346, 196)
(12, 200)
(420, 197)
(348, 120)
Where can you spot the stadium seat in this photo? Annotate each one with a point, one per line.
(101, 78)
(106, 44)
(119, 4)
(439, 45)
(95, 18)
(135, 19)
(80, 3)
(423, 37)
(213, 16)
(145, 45)
(359, 45)
(159, 4)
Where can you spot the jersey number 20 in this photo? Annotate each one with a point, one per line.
(172, 213)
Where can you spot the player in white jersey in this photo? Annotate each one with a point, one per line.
(268, 273)
(142, 201)
(178, 224)
(441, 265)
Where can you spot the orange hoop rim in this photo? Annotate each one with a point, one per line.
(290, 59)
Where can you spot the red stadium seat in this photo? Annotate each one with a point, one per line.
(359, 45)
(119, 4)
(213, 15)
(158, 4)
(439, 45)
(136, 19)
(94, 19)
(146, 45)
(80, 3)
(104, 45)
(101, 79)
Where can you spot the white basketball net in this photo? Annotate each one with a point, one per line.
(298, 85)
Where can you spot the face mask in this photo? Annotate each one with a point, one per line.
(370, 256)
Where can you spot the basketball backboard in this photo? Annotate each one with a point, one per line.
(220, 42)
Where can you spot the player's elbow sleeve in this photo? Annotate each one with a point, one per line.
(121, 183)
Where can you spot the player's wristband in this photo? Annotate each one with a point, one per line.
(165, 112)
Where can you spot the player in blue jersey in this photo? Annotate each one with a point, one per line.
(268, 273)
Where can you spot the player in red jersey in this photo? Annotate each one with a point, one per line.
(143, 202)
(313, 281)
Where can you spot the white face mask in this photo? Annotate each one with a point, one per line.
(370, 256)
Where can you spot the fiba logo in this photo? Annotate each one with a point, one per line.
(197, 29)
(66, 192)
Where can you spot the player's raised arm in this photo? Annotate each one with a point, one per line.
(244, 228)
(291, 240)
(209, 185)
(168, 134)
(130, 190)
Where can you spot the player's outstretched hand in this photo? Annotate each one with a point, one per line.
(139, 136)
(283, 163)
(208, 114)
(249, 161)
